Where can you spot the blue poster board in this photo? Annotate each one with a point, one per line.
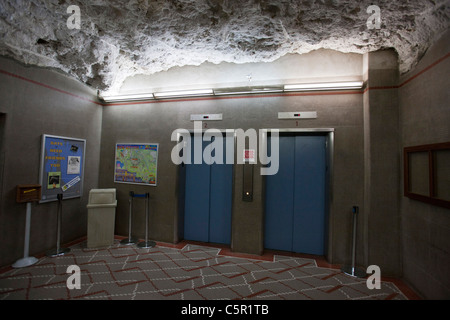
(62, 167)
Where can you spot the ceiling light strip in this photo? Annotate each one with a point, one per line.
(230, 91)
(183, 94)
(245, 92)
(129, 97)
(324, 86)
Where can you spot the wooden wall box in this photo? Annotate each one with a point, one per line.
(28, 193)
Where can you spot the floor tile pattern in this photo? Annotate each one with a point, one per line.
(193, 272)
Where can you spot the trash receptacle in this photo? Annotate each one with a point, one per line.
(101, 217)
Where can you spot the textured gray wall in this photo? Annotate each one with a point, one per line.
(425, 118)
(381, 217)
(29, 108)
(154, 122)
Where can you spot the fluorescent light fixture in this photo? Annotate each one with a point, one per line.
(247, 90)
(324, 86)
(183, 93)
(128, 97)
(235, 91)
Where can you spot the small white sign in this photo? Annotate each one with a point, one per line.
(206, 117)
(71, 183)
(298, 115)
(73, 165)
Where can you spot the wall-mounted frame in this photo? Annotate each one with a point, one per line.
(62, 167)
(427, 173)
(136, 163)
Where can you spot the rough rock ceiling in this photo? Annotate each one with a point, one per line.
(118, 39)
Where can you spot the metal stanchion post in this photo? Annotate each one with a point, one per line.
(58, 251)
(352, 270)
(130, 240)
(146, 243)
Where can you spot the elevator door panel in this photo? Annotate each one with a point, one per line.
(279, 199)
(220, 201)
(295, 196)
(309, 188)
(197, 192)
(208, 199)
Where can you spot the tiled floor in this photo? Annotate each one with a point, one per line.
(185, 272)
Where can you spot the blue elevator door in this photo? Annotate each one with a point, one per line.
(280, 199)
(309, 193)
(295, 196)
(208, 198)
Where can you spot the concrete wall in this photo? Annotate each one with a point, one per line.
(424, 101)
(155, 122)
(36, 101)
(381, 216)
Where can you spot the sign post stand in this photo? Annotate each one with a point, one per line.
(352, 270)
(28, 194)
(146, 243)
(58, 251)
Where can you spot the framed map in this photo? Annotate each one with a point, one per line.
(136, 163)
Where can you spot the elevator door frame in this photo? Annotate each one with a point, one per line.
(329, 134)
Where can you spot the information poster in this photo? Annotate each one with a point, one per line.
(62, 164)
(136, 163)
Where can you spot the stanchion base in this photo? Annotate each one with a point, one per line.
(57, 253)
(146, 244)
(128, 241)
(25, 262)
(354, 272)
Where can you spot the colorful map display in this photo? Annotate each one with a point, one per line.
(136, 163)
